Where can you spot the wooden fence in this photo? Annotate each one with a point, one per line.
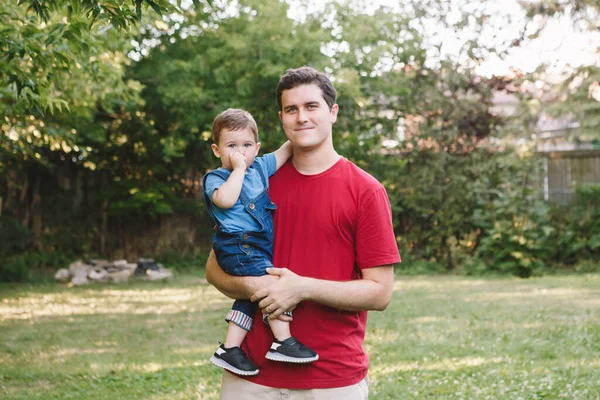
(565, 174)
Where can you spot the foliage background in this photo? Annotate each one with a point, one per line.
(106, 109)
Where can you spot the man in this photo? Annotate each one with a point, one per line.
(335, 244)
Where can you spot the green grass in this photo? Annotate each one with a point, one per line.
(441, 338)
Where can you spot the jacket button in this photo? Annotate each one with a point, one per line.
(246, 246)
(245, 236)
(272, 203)
(251, 206)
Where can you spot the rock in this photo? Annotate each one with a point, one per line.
(79, 280)
(120, 276)
(98, 274)
(145, 264)
(62, 275)
(79, 268)
(118, 271)
(100, 263)
(79, 271)
(121, 264)
(162, 273)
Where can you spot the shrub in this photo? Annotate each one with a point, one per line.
(14, 237)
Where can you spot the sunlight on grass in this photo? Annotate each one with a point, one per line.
(150, 366)
(440, 338)
(532, 292)
(443, 365)
(160, 301)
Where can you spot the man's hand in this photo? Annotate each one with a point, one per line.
(238, 287)
(282, 295)
(238, 160)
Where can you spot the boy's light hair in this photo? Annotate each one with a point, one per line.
(233, 119)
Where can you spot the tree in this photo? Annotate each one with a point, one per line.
(578, 95)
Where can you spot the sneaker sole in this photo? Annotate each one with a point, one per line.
(274, 356)
(225, 365)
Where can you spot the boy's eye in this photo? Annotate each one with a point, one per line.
(248, 145)
(231, 145)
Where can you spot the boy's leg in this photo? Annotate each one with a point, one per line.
(229, 355)
(242, 313)
(286, 348)
(239, 321)
(235, 335)
(280, 329)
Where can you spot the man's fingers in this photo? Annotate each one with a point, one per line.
(259, 295)
(264, 304)
(274, 271)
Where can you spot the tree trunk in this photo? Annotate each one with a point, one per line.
(22, 205)
(78, 198)
(36, 215)
(104, 227)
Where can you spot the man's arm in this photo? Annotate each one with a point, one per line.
(372, 292)
(235, 287)
(283, 153)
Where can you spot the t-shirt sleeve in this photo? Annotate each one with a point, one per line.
(212, 183)
(375, 239)
(268, 164)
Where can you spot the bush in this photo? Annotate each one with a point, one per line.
(414, 266)
(184, 263)
(578, 227)
(14, 237)
(515, 226)
(29, 266)
(15, 269)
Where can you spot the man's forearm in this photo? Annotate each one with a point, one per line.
(235, 287)
(372, 292)
(357, 295)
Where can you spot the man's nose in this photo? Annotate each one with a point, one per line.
(301, 115)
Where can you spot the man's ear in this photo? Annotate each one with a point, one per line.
(334, 112)
(215, 150)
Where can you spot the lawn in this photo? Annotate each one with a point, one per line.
(440, 338)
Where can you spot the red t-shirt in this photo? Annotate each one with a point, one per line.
(327, 226)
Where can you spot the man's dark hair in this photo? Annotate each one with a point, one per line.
(306, 76)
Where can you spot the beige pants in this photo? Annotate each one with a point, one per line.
(234, 388)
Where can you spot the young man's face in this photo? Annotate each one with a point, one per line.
(306, 117)
(240, 141)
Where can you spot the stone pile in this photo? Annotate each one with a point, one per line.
(119, 271)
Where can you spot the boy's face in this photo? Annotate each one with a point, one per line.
(306, 117)
(240, 141)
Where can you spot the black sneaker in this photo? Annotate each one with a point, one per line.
(235, 360)
(292, 351)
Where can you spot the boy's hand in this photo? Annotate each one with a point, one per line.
(238, 160)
